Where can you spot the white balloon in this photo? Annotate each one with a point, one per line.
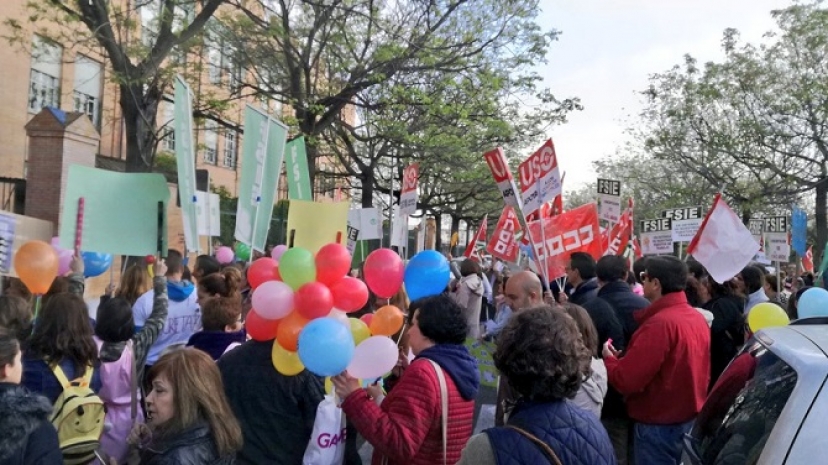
(373, 358)
(341, 317)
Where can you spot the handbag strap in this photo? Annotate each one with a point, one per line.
(441, 378)
(544, 447)
(133, 383)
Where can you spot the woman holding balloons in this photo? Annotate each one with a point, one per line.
(407, 428)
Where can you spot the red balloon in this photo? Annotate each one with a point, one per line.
(384, 271)
(260, 271)
(349, 294)
(276, 272)
(313, 300)
(333, 261)
(367, 318)
(259, 328)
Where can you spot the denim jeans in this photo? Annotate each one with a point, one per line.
(659, 444)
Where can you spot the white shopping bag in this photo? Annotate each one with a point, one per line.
(327, 441)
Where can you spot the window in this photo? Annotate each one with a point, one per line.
(740, 413)
(210, 142)
(148, 11)
(213, 62)
(44, 82)
(221, 58)
(230, 148)
(88, 88)
(168, 128)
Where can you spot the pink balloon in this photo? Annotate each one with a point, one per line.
(225, 255)
(64, 260)
(277, 251)
(384, 271)
(373, 358)
(56, 243)
(273, 300)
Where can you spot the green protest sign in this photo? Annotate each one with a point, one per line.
(120, 214)
(185, 160)
(482, 351)
(296, 166)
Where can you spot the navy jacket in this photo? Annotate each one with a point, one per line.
(575, 435)
(585, 291)
(625, 302)
(38, 377)
(26, 435)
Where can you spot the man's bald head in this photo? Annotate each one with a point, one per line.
(523, 290)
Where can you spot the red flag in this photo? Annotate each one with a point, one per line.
(723, 244)
(574, 231)
(480, 238)
(808, 260)
(619, 235)
(503, 243)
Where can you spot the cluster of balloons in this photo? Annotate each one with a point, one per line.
(94, 263)
(302, 300)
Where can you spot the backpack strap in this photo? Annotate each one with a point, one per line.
(83, 381)
(441, 378)
(133, 385)
(544, 447)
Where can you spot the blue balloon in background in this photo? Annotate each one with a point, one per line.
(94, 263)
(326, 347)
(427, 274)
(814, 302)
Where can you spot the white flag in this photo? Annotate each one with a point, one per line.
(723, 244)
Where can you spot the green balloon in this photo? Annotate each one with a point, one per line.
(297, 267)
(242, 251)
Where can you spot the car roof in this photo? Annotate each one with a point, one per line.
(800, 346)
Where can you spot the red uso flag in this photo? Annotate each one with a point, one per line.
(540, 178)
(502, 175)
(408, 193)
(574, 231)
(503, 243)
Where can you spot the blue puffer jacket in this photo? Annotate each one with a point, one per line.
(576, 436)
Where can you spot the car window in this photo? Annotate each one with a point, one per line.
(742, 409)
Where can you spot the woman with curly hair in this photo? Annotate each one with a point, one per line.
(541, 354)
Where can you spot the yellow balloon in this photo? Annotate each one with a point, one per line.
(285, 361)
(359, 330)
(767, 315)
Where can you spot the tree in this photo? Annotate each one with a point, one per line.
(140, 62)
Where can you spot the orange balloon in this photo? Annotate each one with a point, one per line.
(387, 320)
(36, 264)
(289, 328)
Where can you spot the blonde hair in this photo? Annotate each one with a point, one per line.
(198, 396)
(134, 283)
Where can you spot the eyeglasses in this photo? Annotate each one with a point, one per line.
(643, 276)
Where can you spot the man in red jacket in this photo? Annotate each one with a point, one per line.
(665, 371)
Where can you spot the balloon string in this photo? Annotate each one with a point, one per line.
(37, 308)
(402, 331)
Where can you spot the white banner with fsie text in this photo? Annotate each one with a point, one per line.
(657, 236)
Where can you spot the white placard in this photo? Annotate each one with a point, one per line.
(366, 220)
(657, 242)
(610, 208)
(208, 214)
(685, 230)
(408, 193)
(776, 247)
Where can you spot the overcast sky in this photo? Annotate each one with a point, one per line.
(608, 48)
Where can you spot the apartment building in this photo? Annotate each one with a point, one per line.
(39, 73)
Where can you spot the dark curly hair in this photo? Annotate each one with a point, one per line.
(440, 319)
(542, 355)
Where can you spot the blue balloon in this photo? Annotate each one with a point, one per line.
(94, 263)
(326, 347)
(814, 302)
(427, 274)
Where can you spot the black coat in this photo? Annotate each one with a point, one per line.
(606, 323)
(26, 435)
(276, 412)
(727, 332)
(193, 446)
(625, 303)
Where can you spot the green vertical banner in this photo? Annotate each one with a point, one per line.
(269, 185)
(297, 170)
(185, 161)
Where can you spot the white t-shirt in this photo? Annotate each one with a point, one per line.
(183, 319)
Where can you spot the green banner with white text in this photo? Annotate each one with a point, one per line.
(296, 165)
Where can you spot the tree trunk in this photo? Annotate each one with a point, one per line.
(820, 217)
(438, 232)
(367, 180)
(312, 152)
(140, 112)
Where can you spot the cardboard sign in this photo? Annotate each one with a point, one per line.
(209, 214)
(609, 187)
(16, 230)
(558, 237)
(408, 194)
(756, 226)
(502, 175)
(353, 234)
(775, 224)
(683, 213)
(367, 222)
(7, 223)
(777, 247)
(315, 224)
(540, 178)
(656, 225)
(657, 236)
(610, 208)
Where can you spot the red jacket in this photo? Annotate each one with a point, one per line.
(665, 371)
(407, 427)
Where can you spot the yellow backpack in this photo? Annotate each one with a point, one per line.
(78, 417)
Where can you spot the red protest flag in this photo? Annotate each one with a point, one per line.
(723, 244)
(503, 243)
(808, 260)
(574, 231)
(619, 236)
(479, 238)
